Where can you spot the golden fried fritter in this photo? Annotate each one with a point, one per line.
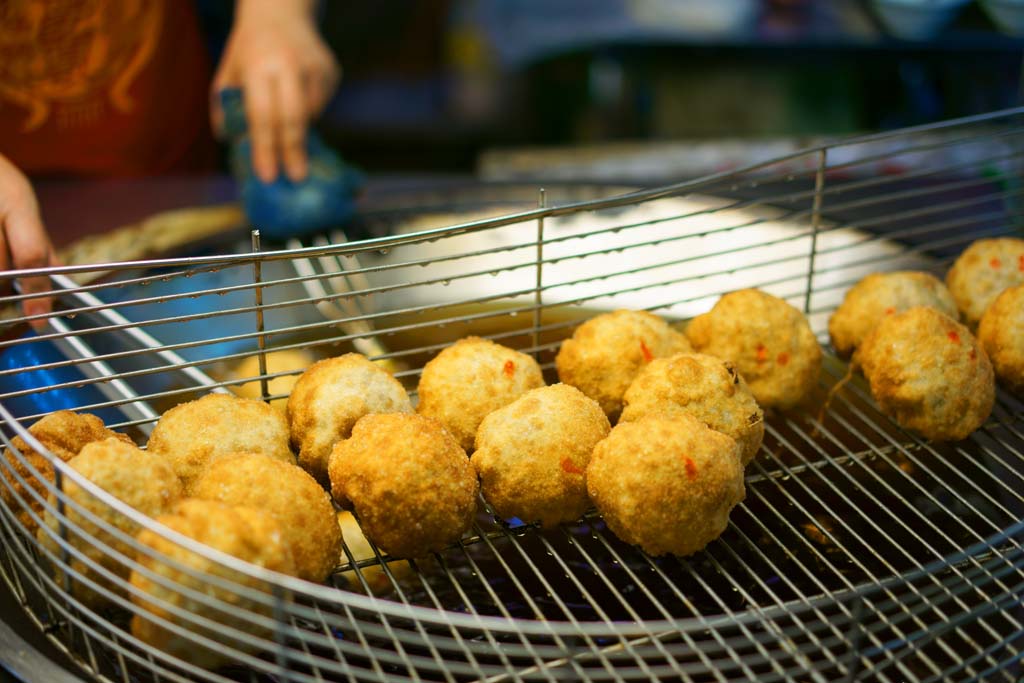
(532, 454)
(409, 481)
(377, 581)
(194, 434)
(470, 379)
(769, 341)
(666, 483)
(881, 294)
(64, 433)
(982, 271)
(708, 388)
(606, 352)
(289, 494)
(245, 533)
(1001, 333)
(929, 373)
(288, 360)
(143, 481)
(328, 399)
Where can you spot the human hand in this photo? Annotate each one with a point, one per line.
(287, 74)
(23, 239)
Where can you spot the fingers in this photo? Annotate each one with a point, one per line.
(291, 136)
(29, 246)
(260, 111)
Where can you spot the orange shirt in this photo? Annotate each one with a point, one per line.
(103, 87)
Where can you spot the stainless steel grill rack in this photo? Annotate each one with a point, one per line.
(860, 553)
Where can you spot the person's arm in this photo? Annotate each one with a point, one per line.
(287, 73)
(24, 242)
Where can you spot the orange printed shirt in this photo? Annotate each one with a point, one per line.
(103, 87)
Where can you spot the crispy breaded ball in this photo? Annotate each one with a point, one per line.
(408, 480)
(1001, 334)
(64, 433)
(330, 396)
(532, 454)
(929, 373)
(377, 581)
(982, 272)
(604, 354)
(769, 341)
(192, 435)
(288, 360)
(245, 533)
(708, 388)
(288, 493)
(666, 483)
(880, 294)
(143, 481)
(470, 379)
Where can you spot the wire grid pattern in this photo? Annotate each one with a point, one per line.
(861, 552)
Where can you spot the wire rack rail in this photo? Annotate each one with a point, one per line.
(861, 552)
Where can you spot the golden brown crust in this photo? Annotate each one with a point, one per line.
(409, 481)
(192, 435)
(532, 454)
(666, 483)
(245, 533)
(605, 353)
(708, 388)
(929, 373)
(470, 379)
(1001, 333)
(880, 294)
(982, 272)
(64, 433)
(289, 494)
(330, 396)
(769, 341)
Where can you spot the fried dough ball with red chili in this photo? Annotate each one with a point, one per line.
(471, 378)
(882, 294)
(192, 435)
(532, 454)
(64, 433)
(143, 481)
(769, 342)
(666, 483)
(1001, 334)
(330, 396)
(708, 388)
(408, 480)
(289, 494)
(245, 533)
(982, 272)
(929, 373)
(604, 354)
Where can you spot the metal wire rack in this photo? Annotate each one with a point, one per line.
(861, 552)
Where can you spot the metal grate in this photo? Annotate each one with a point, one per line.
(860, 553)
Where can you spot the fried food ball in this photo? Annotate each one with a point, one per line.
(605, 353)
(330, 396)
(929, 373)
(288, 493)
(245, 533)
(192, 435)
(666, 483)
(64, 433)
(880, 294)
(769, 341)
(1001, 333)
(409, 481)
(376, 580)
(470, 379)
(982, 272)
(288, 360)
(532, 454)
(708, 388)
(143, 481)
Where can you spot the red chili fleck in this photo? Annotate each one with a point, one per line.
(973, 355)
(995, 263)
(890, 310)
(569, 466)
(691, 469)
(762, 353)
(782, 358)
(1020, 263)
(510, 368)
(953, 336)
(648, 356)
